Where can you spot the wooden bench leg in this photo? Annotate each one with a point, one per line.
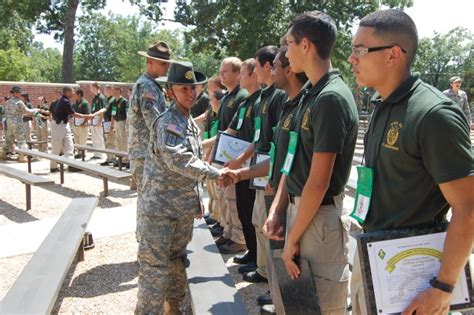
(80, 251)
(120, 162)
(29, 163)
(106, 186)
(28, 196)
(61, 170)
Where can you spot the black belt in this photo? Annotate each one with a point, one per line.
(326, 200)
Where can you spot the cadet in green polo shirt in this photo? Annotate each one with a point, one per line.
(317, 164)
(119, 121)
(418, 149)
(292, 84)
(80, 126)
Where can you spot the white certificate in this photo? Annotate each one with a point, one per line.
(228, 148)
(96, 120)
(106, 125)
(259, 182)
(78, 121)
(401, 268)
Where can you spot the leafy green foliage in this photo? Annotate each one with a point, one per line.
(13, 64)
(445, 55)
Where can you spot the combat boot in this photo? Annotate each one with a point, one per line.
(172, 307)
(133, 184)
(22, 158)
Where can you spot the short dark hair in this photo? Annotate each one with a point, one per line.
(395, 27)
(285, 63)
(96, 85)
(319, 28)
(266, 54)
(80, 92)
(66, 89)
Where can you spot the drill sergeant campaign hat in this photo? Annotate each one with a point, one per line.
(182, 73)
(16, 89)
(158, 51)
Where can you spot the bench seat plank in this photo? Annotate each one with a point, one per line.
(210, 284)
(23, 176)
(36, 289)
(102, 150)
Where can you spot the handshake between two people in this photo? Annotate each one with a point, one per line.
(228, 177)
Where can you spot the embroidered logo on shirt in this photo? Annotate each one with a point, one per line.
(393, 135)
(286, 123)
(304, 123)
(231, 104)
(264, 108)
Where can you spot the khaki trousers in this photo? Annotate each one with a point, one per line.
(325, 245)
(42, 135)
(97, 139)
(80, 134)
(233, 226)
(259, 216)
(121, 137)
(213, 206)
(109, 139)
(61, 140)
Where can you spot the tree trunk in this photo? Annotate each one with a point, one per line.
(68, 48)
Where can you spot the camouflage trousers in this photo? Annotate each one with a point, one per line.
(14, 132)
(160, 255)
(136, 168)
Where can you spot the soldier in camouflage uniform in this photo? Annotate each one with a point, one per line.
(146, 103)
(15, 109)
(170, 197)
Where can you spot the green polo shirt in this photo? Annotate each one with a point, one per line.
(211, 124)
(269, 110)
(326, 122)
(120, 108)
(246, 130)
(201, 104)
(229, 105)
(98, 102)
(81, 107)
(417, 139)
(281, 137)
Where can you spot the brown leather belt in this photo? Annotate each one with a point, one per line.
(326, 200)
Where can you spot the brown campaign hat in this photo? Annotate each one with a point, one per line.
(16, 89)
(158, 51)
(182, 73)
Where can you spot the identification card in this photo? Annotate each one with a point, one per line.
(241, 117)
(258, 127)
(290, 154)
(365, 181)
(271, 153)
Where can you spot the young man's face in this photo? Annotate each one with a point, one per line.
(184, 95)
(279, 73)
(294, 53)
(369, 68)
(76, 97)
(262, 71)
(157, 68)
(94, 90)
(229, 78)
(246, 79)
(68, 94)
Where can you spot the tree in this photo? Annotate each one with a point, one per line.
(445, 55)
(241, 27)
(13, 64)
(45, 64)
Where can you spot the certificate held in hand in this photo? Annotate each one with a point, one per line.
(228, 147)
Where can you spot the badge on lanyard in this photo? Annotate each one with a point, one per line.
(290, 154)
(365, 181)
(271, 153)
(258, 126)
(241, 117)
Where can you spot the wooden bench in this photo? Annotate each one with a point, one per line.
(119, 154)
(32, 143)
(210, 284)
(36, 289)
(27, 179)
(92, 169)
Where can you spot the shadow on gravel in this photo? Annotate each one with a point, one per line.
(103, 280)
(15, 214)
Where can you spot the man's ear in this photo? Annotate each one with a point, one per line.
(396, 56)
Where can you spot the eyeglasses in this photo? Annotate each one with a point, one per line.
(276, 66)
(289, 42)
(360, 51)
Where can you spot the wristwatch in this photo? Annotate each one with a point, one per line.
(441, 286)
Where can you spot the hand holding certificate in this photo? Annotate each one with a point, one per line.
(228, 147)
(259, 182)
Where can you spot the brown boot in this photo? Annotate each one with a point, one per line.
(172, 307)
(133, 184)
(22, 159)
